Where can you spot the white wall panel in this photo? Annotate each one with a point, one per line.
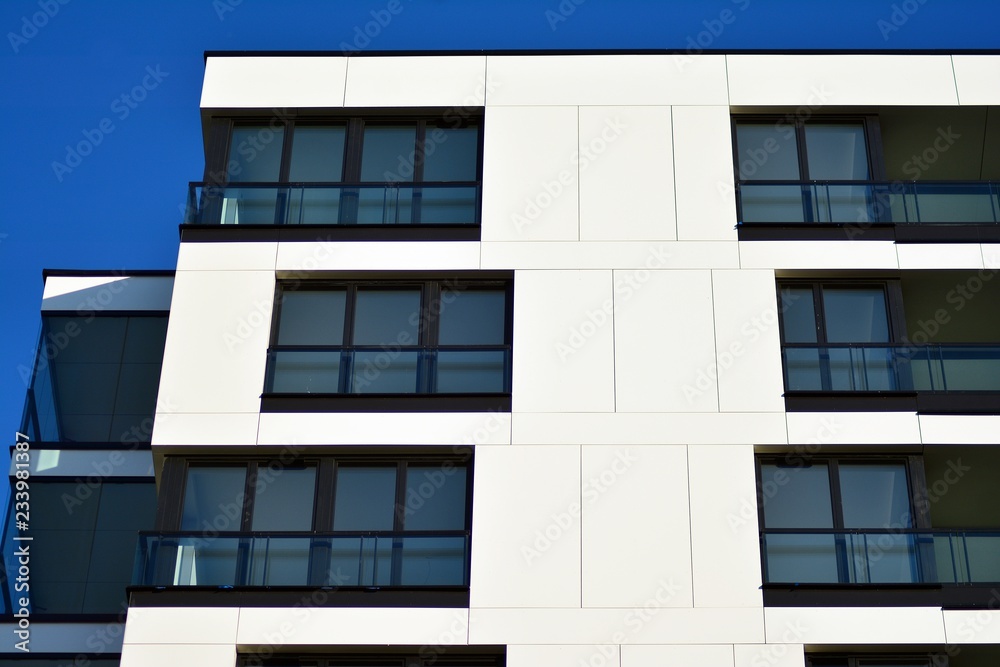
(978, 79)
(991, 255)
(626, 174)
(772, 655)
(605, 655)
(959, 429)
(644, 428)
(172, 428)
(725, 548)
(677, 656)
(611, 255)
(664, 339)
(531, 175)
(818, 255)
(650, 624)
(274, 81)
(972, 626)
(95, 294)
(607, 79)
(182, 625)
(374, 428)
(304, 258)
(635, 525)
(939, 255)
(171, 655)
(526, 527)
(827, 80)
(748, 365)
(417, 81)
(256, 256)
(853, 428)
(854, 625)
(563, 341)
(217, 339)
(703, 179)
(324, 626)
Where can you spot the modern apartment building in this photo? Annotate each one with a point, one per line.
(583, 360)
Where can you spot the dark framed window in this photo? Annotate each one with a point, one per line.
(880, 660)
(396, 171)
(391, 338)
(363, 520)
(478, 656)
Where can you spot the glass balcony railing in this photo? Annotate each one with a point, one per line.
(333, 204)
(870, 202)
(881, 556)
(891, 367)
(389, 370)
(366, 559)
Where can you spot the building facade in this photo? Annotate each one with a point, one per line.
(584, 360)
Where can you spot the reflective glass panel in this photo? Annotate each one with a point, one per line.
(767, 152)
(312, 318)
(317, 154)
(875, 496)
(450, 153)
(837, 152)
(365, 498)
(213, 498)
(284, 499)
(435, 497)
(255, 154)
(388, 154)
(796, 497)
(798, 315)
(855, 315)
(473, 317)
(386, 317)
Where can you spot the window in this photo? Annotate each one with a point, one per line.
(356, 171)
(346, 521)
(451, 656)
(886, 660)
(392, 338)
(95, 378)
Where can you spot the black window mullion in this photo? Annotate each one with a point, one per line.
(346, 354)
(431, 297)
(419, 157)
(398, 524)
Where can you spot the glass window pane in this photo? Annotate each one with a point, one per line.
(432, 561)
(473, 317)
(766, 152)
(365, 498)
(796, 497)
(807, 558)
(386, 317)
(471, 371)
(435, 497)
(875, 496)
(255, 154)
(284, 499)
(450, 153)
(312, 318)
(798, 315)
(213, 498)
(317, 154)
(855, 315)
(388, 153)
(388, 371)
(837, 152)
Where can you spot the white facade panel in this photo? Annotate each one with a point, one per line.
(649, 624)
(635, 525)
(854, 625)
(973, 626)
(531, 195)
(611, 255)
(644, 428)
(977, 79)
(165, 654)
(626, 174)
(326, 626)
(458, 82)
(853, 428)
(182, 625)
(256, 256)
(664, 339)
(303, 259)
(172, 428)
(607, 655)
(703, 173)
(526, 528)
(216, 349)
(85, 295)
(826, 80)
(818, 255)
(374, 428)
(747, 368)
(991, 256)
(677, 656)
(606, 79)
(959, 429)
(563, 341)
(939, 255)
(772, 655)
(725, 547)
(274, 82)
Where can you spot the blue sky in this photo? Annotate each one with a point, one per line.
(65, 66)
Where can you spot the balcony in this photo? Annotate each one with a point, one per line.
(370, 560)
(448, 207)
(880, 556)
